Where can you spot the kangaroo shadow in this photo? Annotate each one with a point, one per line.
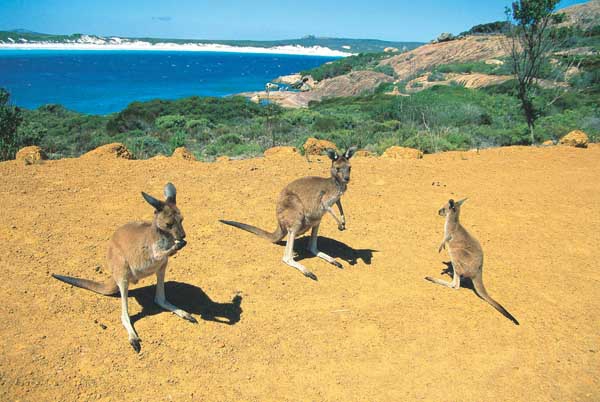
(189, 298)
(335, 249)
(464, 282)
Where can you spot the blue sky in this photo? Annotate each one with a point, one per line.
(258, 19)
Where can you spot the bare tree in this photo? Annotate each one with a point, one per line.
(530, 44)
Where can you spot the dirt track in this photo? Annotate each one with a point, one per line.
(374, 331)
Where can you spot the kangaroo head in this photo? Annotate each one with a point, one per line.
(167, 216)
(451, 207)
(340, 164)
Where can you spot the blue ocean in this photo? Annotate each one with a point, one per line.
(103, 82)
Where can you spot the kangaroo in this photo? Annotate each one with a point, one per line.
(301, 206)
(140, 249)
(466, 255)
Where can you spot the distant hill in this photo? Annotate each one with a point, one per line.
(25, 31)
(584, 16)
(346, 45)
(474, 59)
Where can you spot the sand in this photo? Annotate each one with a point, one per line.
(93, 43)
(374, 331)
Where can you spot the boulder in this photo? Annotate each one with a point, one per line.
(183, 153)
(445, 37)
(312, 146)
(575, 138)
(281, 151)
(494, 62)
(402, 153)
(114, 150)
(30, 155)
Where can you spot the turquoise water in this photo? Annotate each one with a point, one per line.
(102, 82)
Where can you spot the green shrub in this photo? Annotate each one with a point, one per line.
(178, 140)
(197, 124)
(10, 120)
(557, 125)
(489, 28)
(436, 76)
(233, 149)
(171, 122)
(473, 67)
(229, 139)
(361, 61)
(386, 69)
(325, 123)
(146, 146)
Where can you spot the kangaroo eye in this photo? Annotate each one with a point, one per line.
(170, 225)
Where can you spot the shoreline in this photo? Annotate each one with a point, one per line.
(296, 50)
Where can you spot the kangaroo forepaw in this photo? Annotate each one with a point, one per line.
(135, 344)
(342, 227)
(337, 264)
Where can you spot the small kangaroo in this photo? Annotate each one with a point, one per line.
(140, 249)
(301, 206)
(466, 255)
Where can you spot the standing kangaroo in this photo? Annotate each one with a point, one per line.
(466, 256)
(301, 206)
(140, 249)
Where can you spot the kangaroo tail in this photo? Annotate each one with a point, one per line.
(480, 289)
(107, 288)
(274, 237)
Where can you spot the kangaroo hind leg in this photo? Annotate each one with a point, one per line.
(134, 339)
(455, 284)
(161, 300)
(288, 256)
(312, 247)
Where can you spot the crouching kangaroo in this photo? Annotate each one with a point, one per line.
(466, 256)
(140, 249)
(301, 206)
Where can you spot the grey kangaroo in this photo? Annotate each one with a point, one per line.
(301, 206)
(466, 255)
(140, 249)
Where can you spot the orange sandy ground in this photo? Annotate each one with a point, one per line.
(375, 331)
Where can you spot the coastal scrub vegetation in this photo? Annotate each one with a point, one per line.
(361, 61)
(10, 119)
(436, 119)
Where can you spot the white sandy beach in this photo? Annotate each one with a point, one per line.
(95, 43)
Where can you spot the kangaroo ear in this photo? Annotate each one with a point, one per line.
(350, 152)
(451, 203)
(333, 155)
(170, 194)
(157, 204)
(461, 201)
